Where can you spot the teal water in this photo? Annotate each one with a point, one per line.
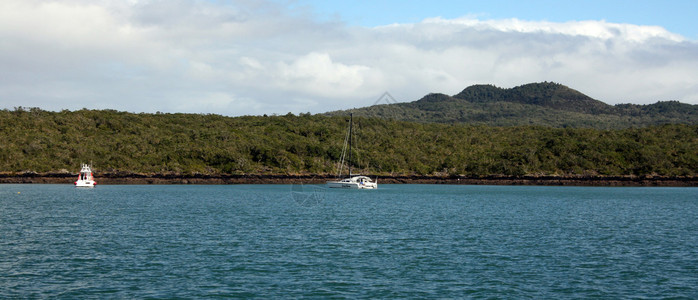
(401, 241)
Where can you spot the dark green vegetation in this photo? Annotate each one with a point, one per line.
(42, 141)
(544, 104)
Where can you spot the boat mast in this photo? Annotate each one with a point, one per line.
(351, 116)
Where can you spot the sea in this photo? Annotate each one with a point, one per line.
(307, 241)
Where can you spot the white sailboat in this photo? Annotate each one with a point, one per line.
(85, 178)
(354, 181)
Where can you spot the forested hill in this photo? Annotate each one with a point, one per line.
(34, 140)
(545, 104)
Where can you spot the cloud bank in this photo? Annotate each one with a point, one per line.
(255, 57)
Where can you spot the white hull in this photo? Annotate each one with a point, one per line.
(344, 185)
(357, 183)
(85, 183)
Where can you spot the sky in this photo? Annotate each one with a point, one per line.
(254, 57)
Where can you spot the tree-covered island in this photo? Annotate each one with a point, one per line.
(44, 144)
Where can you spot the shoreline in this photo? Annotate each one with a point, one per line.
(122, 178)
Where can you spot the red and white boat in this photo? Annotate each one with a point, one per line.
(85, 178)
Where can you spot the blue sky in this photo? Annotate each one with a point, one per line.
(678, 16)
(254, 57)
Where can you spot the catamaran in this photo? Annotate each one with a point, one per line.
(354, 181)
(85, 178)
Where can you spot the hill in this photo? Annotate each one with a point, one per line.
(543, 104)
(34, 140)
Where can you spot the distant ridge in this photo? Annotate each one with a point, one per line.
(546, 94)
(543, 104)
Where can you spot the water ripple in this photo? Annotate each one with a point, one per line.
(401, 241)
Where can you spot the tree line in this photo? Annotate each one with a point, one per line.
(44, 141)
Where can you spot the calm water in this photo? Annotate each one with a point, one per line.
(401, 241)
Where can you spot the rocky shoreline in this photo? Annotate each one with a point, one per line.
(137, 178)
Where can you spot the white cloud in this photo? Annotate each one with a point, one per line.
(592, 29)
(316, 74)
(256, 57)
